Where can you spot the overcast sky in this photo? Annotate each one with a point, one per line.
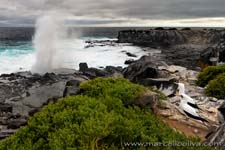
(116, 12)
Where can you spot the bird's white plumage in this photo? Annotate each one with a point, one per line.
(185, 107)
(181, 89)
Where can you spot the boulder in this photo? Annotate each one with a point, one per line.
(148, 100)
(83, 67)
(94, 73)
(72, 88)
(38, 96)
(112, 69)
(141, 69)
(166, 86)
(24, 94)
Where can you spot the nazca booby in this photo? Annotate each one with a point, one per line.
(188, 105)
(189, 100)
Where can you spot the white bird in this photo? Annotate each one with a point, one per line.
(190, 111)
(190, 101)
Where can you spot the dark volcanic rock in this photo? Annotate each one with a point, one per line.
(112, 69)
(92, 72)
(170, 37)
(128, 62)
(166, 86)
(178, 47)
(151, 37)
(141, 69)
(83, 67)
(72, 88)
(130, 54)
(23, 94)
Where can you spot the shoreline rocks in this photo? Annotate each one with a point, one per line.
(187, 48)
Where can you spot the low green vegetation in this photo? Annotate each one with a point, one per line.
(216, 87)
(209, 74)
(96, 120)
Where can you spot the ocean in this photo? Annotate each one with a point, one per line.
(17, 52)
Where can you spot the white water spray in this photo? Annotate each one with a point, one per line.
(50, 31)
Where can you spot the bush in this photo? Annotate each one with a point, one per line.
(113, 87)
(97, 120)
(216, 87)
(209, 74)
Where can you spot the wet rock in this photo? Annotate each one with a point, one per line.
(83, 67)
(166, 86)
(112, 69)
(94, 72)
(129, 61)
(130, 54)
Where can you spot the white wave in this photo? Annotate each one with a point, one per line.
(72, 52)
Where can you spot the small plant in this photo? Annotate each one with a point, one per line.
(209, 74)
(216, 87)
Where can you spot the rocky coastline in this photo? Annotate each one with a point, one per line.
(23, 94)
(184, 47)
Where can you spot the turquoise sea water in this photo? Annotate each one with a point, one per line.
(21, 55)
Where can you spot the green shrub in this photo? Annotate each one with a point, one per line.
(209, 74)
(97, 120)
(113, 87)
(216, 87)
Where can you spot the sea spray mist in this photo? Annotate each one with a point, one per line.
(49, 34)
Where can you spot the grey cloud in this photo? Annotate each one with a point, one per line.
(114, 9)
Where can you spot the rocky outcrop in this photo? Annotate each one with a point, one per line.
(141, 69)
(165, 38)
(23, 94)
(177, 47)
(213, 55)
(108, 71)
(148, 100)
(149, 73)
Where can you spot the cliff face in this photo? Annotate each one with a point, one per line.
(188, 48)
(170, 37)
